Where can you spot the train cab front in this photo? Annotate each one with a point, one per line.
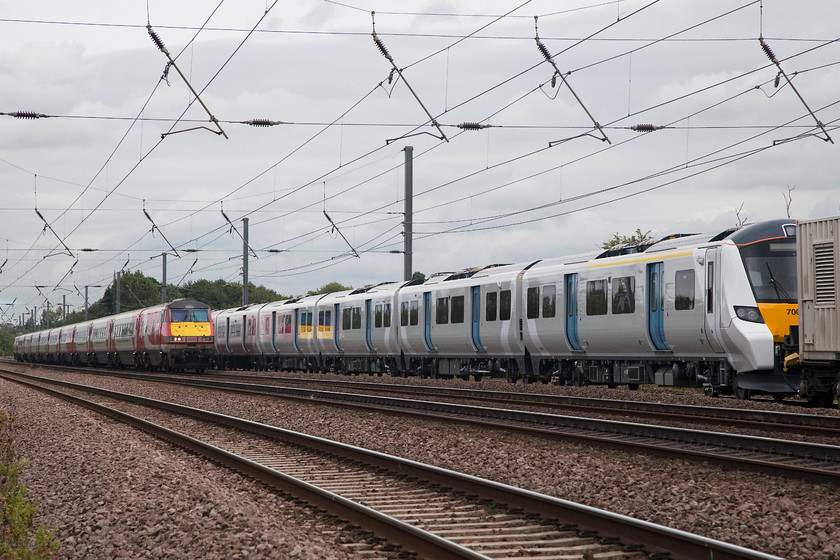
(188, 336)
(768, 252)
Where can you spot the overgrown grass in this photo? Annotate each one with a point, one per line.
(18, 541)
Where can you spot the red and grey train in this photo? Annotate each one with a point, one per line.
(173, 336)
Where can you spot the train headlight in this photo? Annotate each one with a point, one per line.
(751, 314)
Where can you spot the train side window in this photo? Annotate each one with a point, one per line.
(377, 316)
(710, 288)
(357, 317)
(596, 297)
(414, 315)
(549, 301)
(624, 295)
(457, 309)
(346, 319)
(442, 311)
(386, 315)
(490, 306)
(533, 303)
(684, 290)
(504, 305)
(403, 313)
(325, 320)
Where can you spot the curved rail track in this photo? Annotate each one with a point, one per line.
(434, 512)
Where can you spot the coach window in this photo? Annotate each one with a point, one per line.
(624, 295)
(386, 315)
(414, 315)
(596, 297)
(346, 318)
(684, 290)
(533, 304)
(442, 311)
(325, 321)
(490, 306)
(377, 316)
(403, 313)
(357, 317)
(549, 301)
(458, 309)
(504, 305)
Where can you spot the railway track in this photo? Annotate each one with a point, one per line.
(811, 461)
(804, 425)
(434, 512)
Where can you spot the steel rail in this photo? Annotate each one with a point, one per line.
(680, 544)
(775, 421)
(763, 419)
(774, 456)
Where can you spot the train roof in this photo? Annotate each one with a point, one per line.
(771, 229)
(185, 303)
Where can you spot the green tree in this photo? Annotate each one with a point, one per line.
(8, 332)
(136, 291)
(261, 294)
(418, 276)
(637, 237)
(219, 294)
(329, 288)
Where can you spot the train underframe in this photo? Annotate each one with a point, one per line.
(818, 384)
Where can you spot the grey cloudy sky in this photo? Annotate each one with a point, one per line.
(540, 181)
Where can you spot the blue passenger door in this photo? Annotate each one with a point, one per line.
(571, 312)
(336, 326)
(274, 331)
(427, 321)
(368, 322)
(476, 318)
(296, 329)
(227, 334)
(656, 315)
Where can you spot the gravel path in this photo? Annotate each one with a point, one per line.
(110, 491)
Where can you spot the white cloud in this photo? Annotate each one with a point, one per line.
(299, 73)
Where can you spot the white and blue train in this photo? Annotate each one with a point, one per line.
(714, 310)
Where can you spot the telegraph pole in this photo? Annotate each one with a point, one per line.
(117, 305)
(409, 196)
(163, 283)
(244, 261)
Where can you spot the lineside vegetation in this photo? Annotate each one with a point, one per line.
(18, 539)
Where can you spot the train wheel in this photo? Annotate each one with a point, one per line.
(740, 393)
(778, 397)
(822, 399)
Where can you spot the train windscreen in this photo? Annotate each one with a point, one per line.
(771, 268)
(189, 315)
